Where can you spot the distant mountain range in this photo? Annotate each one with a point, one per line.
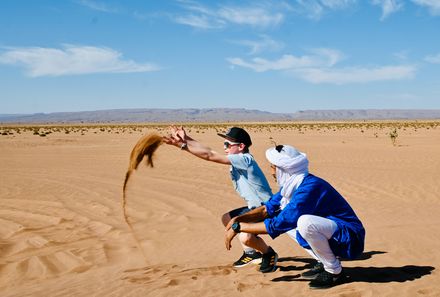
(215, 115)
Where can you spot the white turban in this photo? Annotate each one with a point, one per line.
(292, 167)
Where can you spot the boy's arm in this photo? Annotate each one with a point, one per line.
(179, 138)
(206, 153)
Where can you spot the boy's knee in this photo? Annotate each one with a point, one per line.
(245, 238)
(226, 218)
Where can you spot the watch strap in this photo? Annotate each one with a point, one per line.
(236, 227)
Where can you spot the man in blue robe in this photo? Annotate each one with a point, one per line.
(309, 210)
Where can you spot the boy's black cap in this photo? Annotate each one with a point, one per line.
(237, 134)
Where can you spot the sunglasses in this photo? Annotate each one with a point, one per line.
(227, 144)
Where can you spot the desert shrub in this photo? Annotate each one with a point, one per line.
(393, 136)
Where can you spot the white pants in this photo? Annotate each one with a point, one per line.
(317, 231)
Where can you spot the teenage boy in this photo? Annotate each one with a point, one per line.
(248, 180)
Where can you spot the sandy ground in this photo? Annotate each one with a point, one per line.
(62, 231)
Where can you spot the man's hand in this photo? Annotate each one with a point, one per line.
(229, 235)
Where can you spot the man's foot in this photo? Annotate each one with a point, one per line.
(314, 271)
(253, 257)
(269, 261)
(326, 280)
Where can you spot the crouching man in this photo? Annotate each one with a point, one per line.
(310, 211)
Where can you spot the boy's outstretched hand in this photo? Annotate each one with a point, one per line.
(176, 137)
(178, 133)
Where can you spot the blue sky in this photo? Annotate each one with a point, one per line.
(278, 56)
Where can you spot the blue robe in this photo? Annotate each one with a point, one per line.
(317, 197)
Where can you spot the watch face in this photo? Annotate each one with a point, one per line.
(236, 227)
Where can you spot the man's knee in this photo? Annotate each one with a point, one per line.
(309, 226)
(305, 225)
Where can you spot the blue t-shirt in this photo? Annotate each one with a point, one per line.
(317, 197)
(248, 180)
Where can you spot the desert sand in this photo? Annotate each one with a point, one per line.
(62, 231)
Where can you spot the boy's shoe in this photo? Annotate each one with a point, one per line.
(269, 261)
(326, 280)
(253, 257)
(314, 271)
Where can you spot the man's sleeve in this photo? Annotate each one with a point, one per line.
(273, 204)
(287, 219)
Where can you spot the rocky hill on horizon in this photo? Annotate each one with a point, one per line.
(215, 115)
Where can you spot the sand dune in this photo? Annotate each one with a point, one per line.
(62, 231)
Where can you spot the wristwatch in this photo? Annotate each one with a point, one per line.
(236, 227)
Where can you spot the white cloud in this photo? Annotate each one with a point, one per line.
(253, 16)
(312, 9)
(203, 17)
(199, 21)
(319, 67)
(199, 17)
(315, 9)
(265, 43)
(95, 5)
(337, 4)
(71, 60)
(401, 55)
(196, 7)
(432, 5)
(435, 59)
(328, 56)
(322, 58)
(357, 74)
(388, 6)
(286, 62)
